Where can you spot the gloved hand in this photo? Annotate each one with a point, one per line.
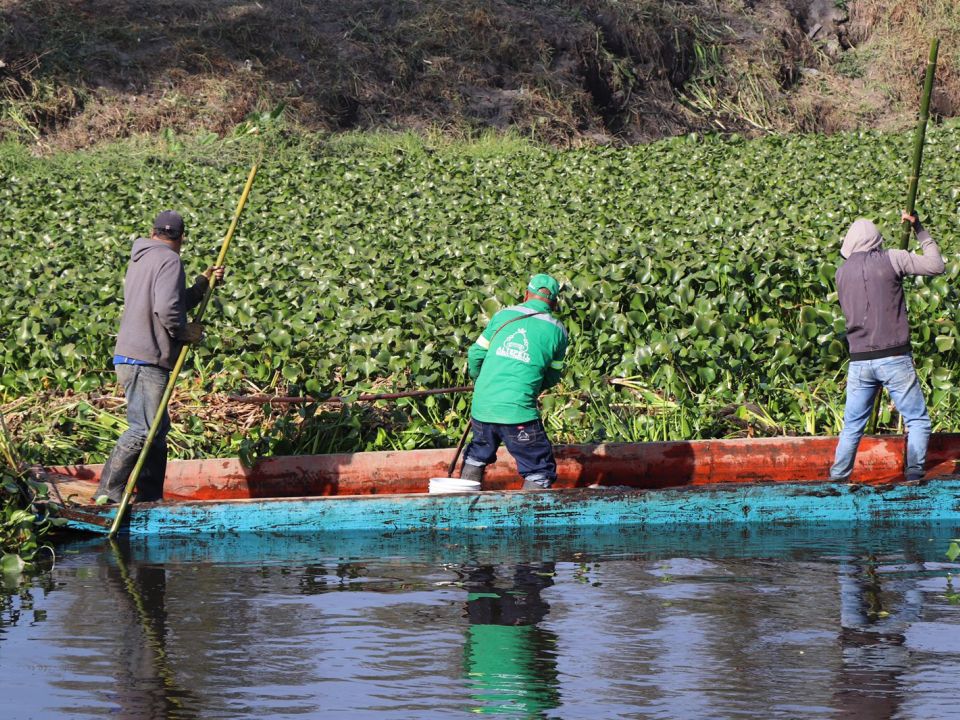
(191, 333)
(914, 220)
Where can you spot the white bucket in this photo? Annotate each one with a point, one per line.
(453, 485)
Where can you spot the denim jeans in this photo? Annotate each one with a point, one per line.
(864, 380)
(143, 386)
(527, 442)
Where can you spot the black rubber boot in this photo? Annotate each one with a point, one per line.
(473, 472)
(116, 471)
(150, 482)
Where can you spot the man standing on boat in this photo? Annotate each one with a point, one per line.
(153, 329)
(869, 284)
(518, 356)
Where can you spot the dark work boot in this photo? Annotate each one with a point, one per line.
(116, 471)
(473, 472)
(150, 481)
(914, 479)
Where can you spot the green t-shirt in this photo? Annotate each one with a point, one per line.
(512, 364)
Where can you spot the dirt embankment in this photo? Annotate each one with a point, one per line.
(567, 72)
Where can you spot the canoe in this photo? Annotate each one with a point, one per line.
(769, 480)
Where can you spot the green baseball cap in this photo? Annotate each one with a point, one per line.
(546, 282)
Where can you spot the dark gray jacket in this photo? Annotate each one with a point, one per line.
(155, 304)
(869, 284)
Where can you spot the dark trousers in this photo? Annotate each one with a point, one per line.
(143, 386)
(527, 442)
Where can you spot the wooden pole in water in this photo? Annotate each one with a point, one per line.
(918, 142)
(165, 400)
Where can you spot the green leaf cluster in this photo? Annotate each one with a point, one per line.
(701, 266)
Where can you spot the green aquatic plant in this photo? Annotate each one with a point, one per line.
(700, 268)
(25, 515)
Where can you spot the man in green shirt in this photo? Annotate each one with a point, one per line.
(518, 356)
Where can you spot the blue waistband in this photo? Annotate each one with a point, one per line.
(124, 360)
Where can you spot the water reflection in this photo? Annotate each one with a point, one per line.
(145, 685)
(509, 659)
(848, 622)
(876, 609)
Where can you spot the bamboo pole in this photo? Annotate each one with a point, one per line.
(914, 184)
(168, 392)
(919, 140)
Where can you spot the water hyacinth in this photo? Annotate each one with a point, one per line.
(26, 515)
(699, 267)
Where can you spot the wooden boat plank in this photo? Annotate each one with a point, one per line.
(641, 465)
(770, 480)
(732, 503)
(71, 490)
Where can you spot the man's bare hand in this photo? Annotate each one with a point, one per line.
(217, 272)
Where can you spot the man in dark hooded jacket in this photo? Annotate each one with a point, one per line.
(153, 329)
(869, 284)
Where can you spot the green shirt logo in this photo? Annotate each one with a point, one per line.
(516, 347)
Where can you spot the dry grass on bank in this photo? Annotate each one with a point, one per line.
(561, 72)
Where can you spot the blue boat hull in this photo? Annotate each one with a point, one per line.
(753, 503)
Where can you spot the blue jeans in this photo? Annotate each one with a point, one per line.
(864, 380)
(143, 386)
(527, 442)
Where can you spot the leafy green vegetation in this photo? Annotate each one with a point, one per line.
(697, 270)
(25, 517)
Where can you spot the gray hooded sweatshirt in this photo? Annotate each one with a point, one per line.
(155, 304)
(869, 284)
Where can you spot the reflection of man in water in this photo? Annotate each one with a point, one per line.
(874, 616)
(510, 661)
(145, 683)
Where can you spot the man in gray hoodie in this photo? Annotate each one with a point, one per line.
(153, 329)
(869, 284)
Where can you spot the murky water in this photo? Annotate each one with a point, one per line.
(844, 622)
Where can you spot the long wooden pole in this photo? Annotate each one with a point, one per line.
(456, 455)
(919, 139)
(918, 142)
(168, 392)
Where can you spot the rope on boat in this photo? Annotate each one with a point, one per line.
(366, 397)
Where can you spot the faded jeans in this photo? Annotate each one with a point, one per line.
(143, 386)
(864, 380)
